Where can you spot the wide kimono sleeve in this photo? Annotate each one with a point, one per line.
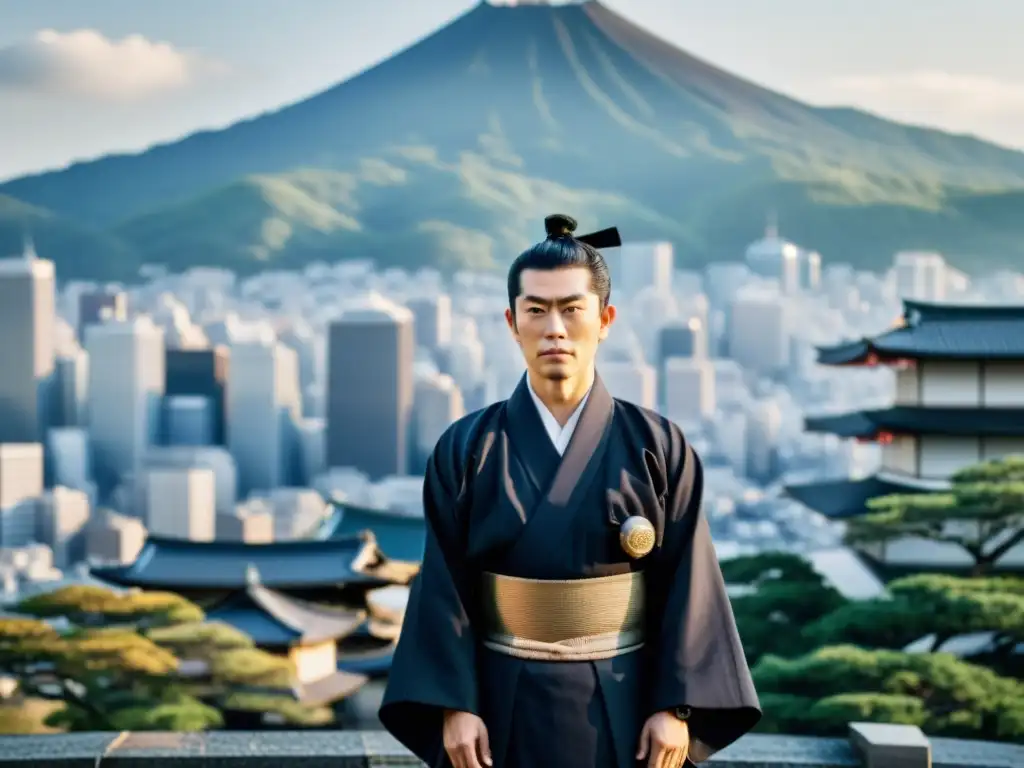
(699, 664)
(434, 667)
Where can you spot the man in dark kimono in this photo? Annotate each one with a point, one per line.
(570, 611)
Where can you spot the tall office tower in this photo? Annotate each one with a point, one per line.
(689, 396)
(683, 338)
(114, 538)
(631, 381)
(201, 373)
(27, 324)
(724, 279)
(636, 266)
(21, 486)
(251, 523)
(371, 350)
(126, 387)
(810, 270)
(181, 503)
(70, 390)
(764, 423)
(759, 333)
(212, 457)
(839, 287)
(99, 306)
(432, 320)
(648, 312)
(687, 339)
(68, 457)
(300, 337)
(61, 517)
(463, 357)
(264, 405)
(438, 403)
(920, 275)
(187, 420)
(312, 449)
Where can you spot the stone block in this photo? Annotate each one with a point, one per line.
(883, 745)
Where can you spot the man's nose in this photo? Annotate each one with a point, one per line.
(555, 328)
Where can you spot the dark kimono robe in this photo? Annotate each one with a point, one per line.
(498, 497)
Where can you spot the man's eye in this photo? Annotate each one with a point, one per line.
(572, 309)
(535, 310)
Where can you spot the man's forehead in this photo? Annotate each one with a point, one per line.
(555, 283)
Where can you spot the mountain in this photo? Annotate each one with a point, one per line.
(452, 151)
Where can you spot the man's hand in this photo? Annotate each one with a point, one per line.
(664, 741)
(465, 740)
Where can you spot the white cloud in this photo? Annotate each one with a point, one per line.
(85, 63)
(939, 90)
(964, 103)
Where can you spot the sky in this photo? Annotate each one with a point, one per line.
(81, 78)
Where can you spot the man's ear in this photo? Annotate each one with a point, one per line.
(608, 315)
(510, 319)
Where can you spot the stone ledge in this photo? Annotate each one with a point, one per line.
(374, 749)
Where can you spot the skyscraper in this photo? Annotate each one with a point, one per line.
(636, 266)
(201, 373)
(21, 485)
(181, 503)
(370, 388)
(433, 320)
(920, 275)
(759, 332)
(27, 316)
(100, 305)
(126, 387)
(263, 409)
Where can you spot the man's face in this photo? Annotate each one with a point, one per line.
(558, 321)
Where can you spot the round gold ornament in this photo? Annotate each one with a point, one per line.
(636, 535)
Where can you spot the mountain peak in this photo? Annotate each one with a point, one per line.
(453, 149)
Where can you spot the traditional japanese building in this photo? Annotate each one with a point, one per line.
(959, 400)
(399, 534)
(308, 599)
(307, 634)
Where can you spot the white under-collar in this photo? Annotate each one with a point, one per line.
(560, 436)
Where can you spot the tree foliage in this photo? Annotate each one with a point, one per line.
(821, 692)
(936, 607)
(799, 633)
(96, 606)
(982, 513)
(138, 661)
(782, 594)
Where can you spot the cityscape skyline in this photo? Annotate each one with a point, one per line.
(258, 444)
(946, 70)
(224, 390)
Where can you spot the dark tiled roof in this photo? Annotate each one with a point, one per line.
(847, 353)
(273, 619)
(372, 660)
(845, 498)
(174, 563)
(946, 331)
(986, 422)
(399, 536)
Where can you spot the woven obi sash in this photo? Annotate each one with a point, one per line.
(564, 620)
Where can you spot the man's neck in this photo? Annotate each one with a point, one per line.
(562, 396)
